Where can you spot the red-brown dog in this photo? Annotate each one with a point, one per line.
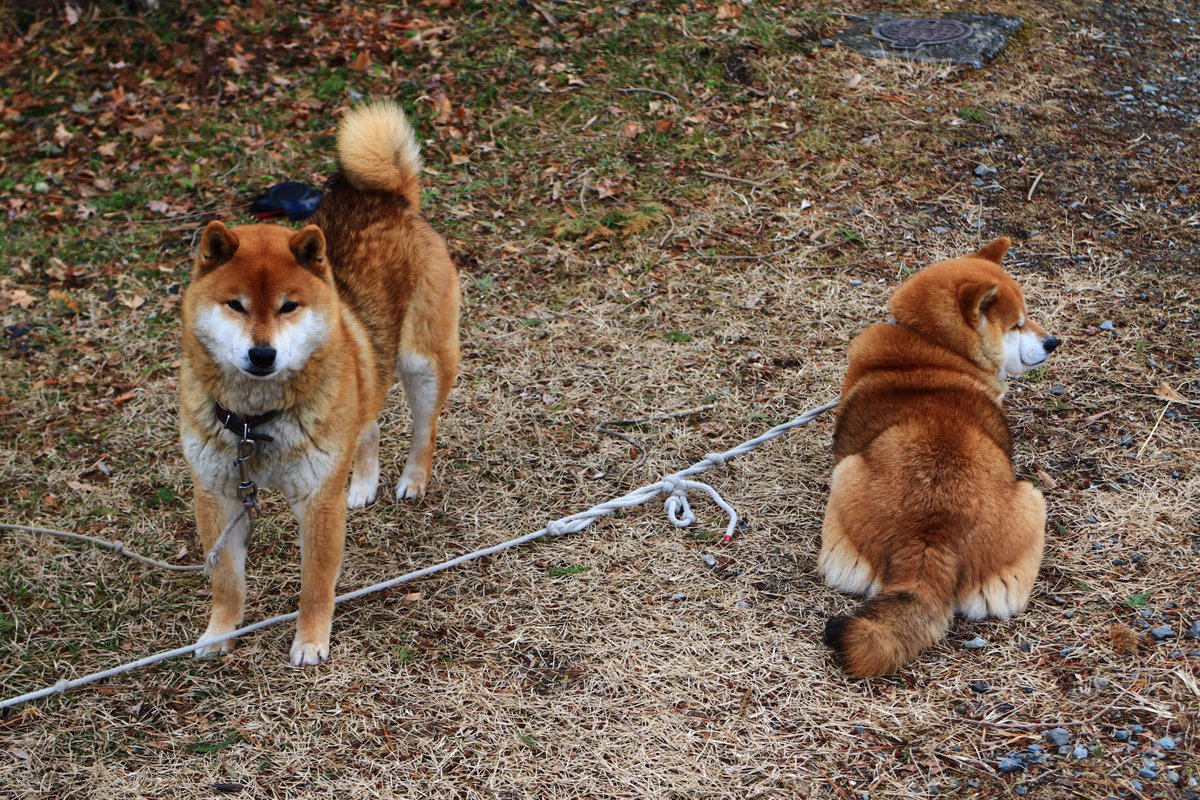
(301, 334)
(925, 516)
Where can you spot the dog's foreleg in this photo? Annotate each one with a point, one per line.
(364, 482)
(322, 540)
(213, 513)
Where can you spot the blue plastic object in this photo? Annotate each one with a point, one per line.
(292, 199)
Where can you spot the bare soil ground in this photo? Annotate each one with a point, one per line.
(654, 206)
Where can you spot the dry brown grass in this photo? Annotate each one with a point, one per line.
(508, 679)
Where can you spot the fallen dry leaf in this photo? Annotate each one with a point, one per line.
(147, 131)
(1167, 392)
(21, 298)
(631, 130)
(1047, 481)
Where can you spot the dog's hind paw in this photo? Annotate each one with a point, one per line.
(309, 654)
(412, 485)
(216, 649)
(360, 494)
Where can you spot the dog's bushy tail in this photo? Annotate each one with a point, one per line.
(909, 614)
(378, 151)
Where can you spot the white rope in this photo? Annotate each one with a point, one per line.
(116, 547)
(675, 486)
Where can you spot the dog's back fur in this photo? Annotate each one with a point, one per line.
(379, 164)
(925, 515)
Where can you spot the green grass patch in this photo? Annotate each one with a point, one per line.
(973, 114)
(560, 572)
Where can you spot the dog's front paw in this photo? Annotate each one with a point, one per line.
(412, 484)
(309, 654)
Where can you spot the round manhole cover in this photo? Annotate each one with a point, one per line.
(911, 34)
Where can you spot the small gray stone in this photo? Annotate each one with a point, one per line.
(983, 170)
(1148, 773)
(1107, 325)
(1121, 735)
(709, 560)
(1162, 633)
(1057, 736)
(1007, 766)
(1194, 630)
(741, 604)
(978, 643)
(679, 596)
(1166, 743)
(1057, 389)
(41, 187)
(1101, 683)
(1079, 753)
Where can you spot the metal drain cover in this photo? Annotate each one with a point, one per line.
(913, 34)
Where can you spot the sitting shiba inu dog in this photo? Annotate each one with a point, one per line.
(925, 515)
(298, 335)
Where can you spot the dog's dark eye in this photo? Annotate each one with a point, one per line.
(288, 307)
(236, 306)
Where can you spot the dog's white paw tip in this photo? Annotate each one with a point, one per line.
(309, 654)
(215, 650)
(409, 490)
(359, 497)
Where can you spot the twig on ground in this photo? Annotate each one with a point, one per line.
(12, 614)
(1153, 430)
(604, 428)
(721, 177)
(644, 90)
(1036, 180)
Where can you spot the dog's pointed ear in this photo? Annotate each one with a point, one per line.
(995, 251)
(974, 299)
(217, 245)
(308, 246)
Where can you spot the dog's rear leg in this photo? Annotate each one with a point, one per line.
(213, 513)
(427, 380)
(364, 482)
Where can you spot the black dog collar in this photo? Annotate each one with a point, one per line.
(244, 426)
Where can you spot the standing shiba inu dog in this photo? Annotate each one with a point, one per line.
(925, 516)
(299, 335)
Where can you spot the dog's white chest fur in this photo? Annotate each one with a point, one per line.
(290, 463)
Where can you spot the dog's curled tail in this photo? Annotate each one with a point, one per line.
(908, 615)
(378, 151)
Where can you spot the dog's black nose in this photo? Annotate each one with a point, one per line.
(262, 357)
(1050, 344)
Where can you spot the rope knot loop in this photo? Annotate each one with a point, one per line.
(672, 484)
(679, 510)
(556, 528)
(61, 686)
(716, 459)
